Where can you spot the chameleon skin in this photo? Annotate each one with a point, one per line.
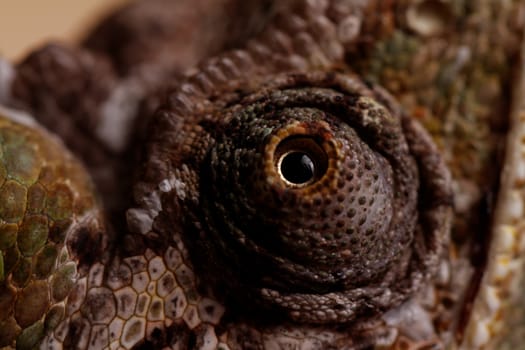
(109, 84)
(48, 212)
(361, 241)
(163, 289)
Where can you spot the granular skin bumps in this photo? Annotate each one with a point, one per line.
(250, 209)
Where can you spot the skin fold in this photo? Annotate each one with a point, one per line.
(325, 174)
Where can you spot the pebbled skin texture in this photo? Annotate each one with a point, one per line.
(304, 174)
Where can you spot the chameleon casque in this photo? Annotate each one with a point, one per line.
(301, 174)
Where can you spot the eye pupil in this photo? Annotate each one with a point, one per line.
(300, 161)
(297, 168)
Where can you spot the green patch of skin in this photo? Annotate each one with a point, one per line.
(63, 281)
(11, 137)
(42, 190)
(36, 199)
(32, 234)
(22, 272)
(53, 317)
(46, 261)
(22, 163)
(8, 235)
(30, 337)
(64, 257)
(394, 53)
(12, 201)
(59, 204)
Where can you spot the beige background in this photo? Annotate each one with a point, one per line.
(25, 24)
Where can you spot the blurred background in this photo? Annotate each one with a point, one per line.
(26, 24)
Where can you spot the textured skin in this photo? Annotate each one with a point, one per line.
(48, 214)
(401, 107)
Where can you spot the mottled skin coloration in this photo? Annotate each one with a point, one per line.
(47, 208)
(302, 174)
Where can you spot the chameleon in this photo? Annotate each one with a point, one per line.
(300, 174)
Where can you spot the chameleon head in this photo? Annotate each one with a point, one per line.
(317, 194)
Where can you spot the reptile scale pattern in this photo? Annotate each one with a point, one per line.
(301, 174)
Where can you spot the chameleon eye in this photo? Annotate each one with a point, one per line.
(300, 161)
(311, 195)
